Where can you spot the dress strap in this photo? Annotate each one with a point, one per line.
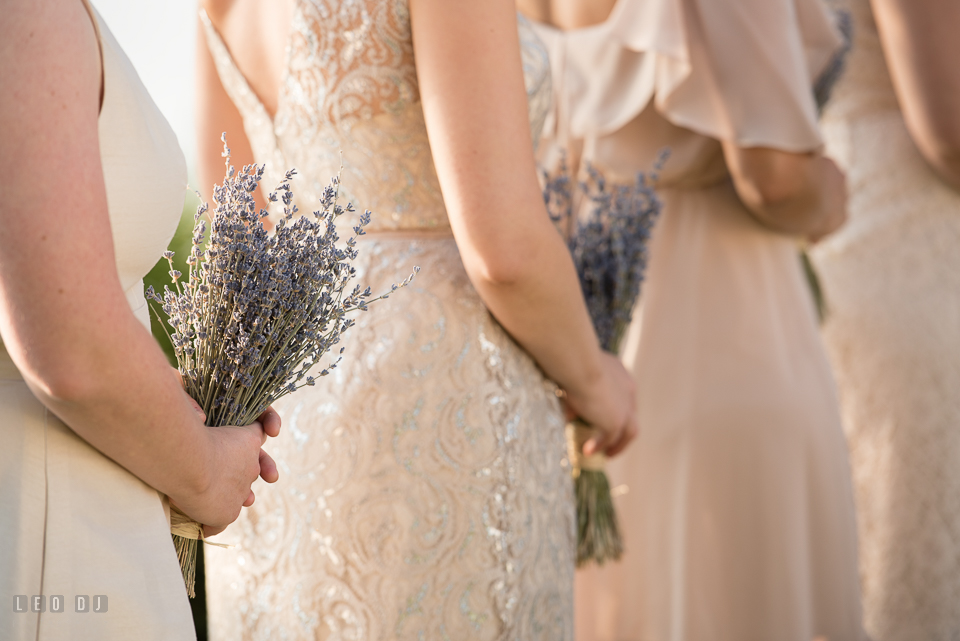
(96, 30)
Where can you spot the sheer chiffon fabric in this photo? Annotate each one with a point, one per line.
(738, 512)
(705, 65)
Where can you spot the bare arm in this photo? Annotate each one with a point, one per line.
(63, 316)
(793, 193)
(921, 47)
(471, 84)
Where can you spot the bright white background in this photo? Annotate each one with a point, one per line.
(160, 40)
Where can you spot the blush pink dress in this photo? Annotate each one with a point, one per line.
(736, 500)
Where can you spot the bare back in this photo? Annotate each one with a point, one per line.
(256, 33)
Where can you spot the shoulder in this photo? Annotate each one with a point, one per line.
(51, 72)
(50, 45)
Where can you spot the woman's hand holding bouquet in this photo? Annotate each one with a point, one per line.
(236, 460)
(614, 422)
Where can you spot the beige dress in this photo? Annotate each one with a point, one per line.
(892, 282)
(738, 515)
(74, 522)
(424, 492)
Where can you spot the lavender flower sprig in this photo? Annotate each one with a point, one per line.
(609, 250)
(258, 312)
(609, 244)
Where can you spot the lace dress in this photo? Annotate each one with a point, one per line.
(424, 490)
(892, 281)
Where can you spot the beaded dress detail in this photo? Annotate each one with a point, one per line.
(425, 491)
(350, 88)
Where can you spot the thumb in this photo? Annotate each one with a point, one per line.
(596, 443)
(198, 409)
(257, 428)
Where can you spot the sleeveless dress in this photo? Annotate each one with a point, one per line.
(735, 502)
(74, 522)
(424, 489)
(891, 278)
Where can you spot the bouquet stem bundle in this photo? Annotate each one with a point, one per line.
(186, 533)
(258, 311)
(598, 534)
(608, 246)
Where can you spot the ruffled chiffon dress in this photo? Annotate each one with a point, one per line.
(736, 499)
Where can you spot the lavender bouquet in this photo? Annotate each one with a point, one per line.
(609, 249)
(257, 311)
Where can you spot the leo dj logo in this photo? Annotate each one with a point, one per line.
(38, 603)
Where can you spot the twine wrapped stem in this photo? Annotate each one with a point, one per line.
(187, 533)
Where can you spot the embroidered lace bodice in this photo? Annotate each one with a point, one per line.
(349, 94)
(425, 491)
